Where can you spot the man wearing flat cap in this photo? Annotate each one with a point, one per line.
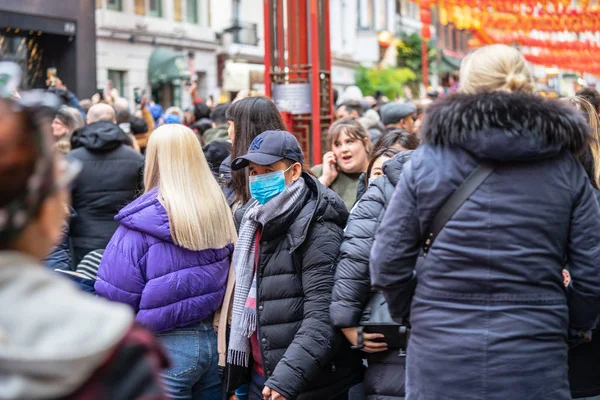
(398, 115)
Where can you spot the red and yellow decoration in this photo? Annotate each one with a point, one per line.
(514, 21)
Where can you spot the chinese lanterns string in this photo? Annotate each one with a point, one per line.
(521, 18)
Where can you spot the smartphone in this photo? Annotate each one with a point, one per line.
(137, 95)
(101, 93)
(51, 76)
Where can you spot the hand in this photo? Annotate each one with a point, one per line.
(269, 393)
(369, 345)
(107, 98)
(143, 101)
(330, 172)
(233, 397)
(96, 98)
(193, 90)
(566, 277)
(193, 87)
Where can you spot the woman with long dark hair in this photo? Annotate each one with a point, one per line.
(247, 119)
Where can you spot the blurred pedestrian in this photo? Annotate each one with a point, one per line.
(289, 239)
(219, 130)
(110, 179)
(66, 121)
(490, 315)
(170, 257)
(57, 341)
(369, 118)
(592, 96)
(347, 159)
(352, 292)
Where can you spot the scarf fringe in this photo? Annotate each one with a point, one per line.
(238, 357)
(248, 323)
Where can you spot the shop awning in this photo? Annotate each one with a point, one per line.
(167, 65)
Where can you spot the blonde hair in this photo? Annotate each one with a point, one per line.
(199, 216)
(495, 67)
(589, 111)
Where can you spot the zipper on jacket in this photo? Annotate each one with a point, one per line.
(333, 368)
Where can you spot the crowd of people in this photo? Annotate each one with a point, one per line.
(443, 249)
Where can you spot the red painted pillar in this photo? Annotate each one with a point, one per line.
(425, 14)
(315, 81)
(268, 48)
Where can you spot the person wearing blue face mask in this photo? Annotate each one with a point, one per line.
(284, 262)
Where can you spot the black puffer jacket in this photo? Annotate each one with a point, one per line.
(111, 177)
(384, 378)
(304, 357)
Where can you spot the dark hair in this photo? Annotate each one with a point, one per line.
(201, 110)
(591, 95)
(215, 152)
(395, 136)
(353, 105)
(251, 117)
(219, 114)
(201, 126)
(387, 152)
(351, 127)
(123, 116)
(138, 125)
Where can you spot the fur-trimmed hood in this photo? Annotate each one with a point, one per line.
(505, 126)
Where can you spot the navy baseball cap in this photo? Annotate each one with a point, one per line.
(270, 147)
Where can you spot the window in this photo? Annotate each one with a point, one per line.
(140, 7)
(382, 14)
(191, 11)
(366, 14)
(155, 8)
(115, 5)
(118, 80)
(177, 11)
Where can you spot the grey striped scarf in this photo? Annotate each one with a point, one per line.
(243, 323)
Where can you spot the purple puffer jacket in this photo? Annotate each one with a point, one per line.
(168, 286)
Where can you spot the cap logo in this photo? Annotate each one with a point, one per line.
(256, 143)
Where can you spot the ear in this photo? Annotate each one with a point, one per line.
(296, 171)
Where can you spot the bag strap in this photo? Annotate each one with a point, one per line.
(460, 195)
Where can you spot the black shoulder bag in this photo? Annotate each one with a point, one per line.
(376, 317)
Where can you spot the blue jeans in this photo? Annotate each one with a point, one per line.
(194, 362)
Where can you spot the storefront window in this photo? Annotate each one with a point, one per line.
(118, 81)
(115, 5)
(155, 8)
(191, 12)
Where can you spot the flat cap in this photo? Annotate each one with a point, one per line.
(392, 113)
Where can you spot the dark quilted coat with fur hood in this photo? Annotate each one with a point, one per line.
(490, 315)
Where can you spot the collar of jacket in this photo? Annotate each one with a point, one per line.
(505, 126)
(393, 167)
(320, 204)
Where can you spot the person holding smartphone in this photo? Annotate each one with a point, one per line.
(347, 159)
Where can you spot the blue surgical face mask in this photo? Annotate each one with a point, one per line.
(266, 186)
